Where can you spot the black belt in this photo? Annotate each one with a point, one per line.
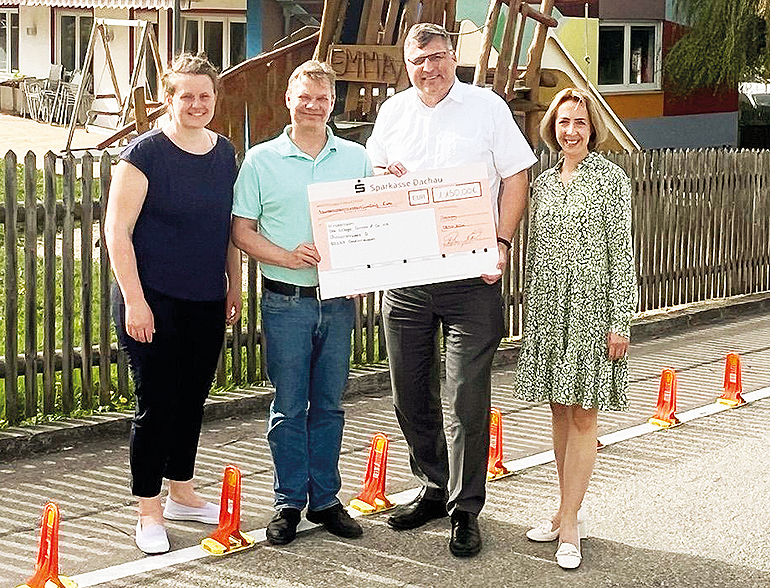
(289, 289)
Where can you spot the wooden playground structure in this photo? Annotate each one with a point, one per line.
(363, 41)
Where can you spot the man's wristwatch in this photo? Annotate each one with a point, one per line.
(505, 242)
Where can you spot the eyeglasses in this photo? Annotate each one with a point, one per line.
(433, 58)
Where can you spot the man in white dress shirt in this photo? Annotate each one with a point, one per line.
(438, 123)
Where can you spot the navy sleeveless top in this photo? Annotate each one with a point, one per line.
(183, 230)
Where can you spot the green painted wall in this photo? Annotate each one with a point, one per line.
(571, 32)
(476, 11)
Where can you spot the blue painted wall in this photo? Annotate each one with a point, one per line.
(691, 131)
(253, 28)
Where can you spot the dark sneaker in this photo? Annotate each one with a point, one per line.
(466, 536)
(282, 528)
(336, 520)
(417, 513)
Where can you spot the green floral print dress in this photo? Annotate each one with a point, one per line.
(580, 284)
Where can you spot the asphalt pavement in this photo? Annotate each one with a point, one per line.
(670, 508)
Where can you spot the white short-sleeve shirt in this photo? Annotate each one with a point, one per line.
(469, 125)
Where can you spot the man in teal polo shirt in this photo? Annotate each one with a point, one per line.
(307, 339)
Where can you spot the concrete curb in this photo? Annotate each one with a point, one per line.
(373, 380)
(666, 322)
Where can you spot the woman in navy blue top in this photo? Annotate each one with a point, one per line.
(178, 280)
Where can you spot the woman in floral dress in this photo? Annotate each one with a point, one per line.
(581, 293)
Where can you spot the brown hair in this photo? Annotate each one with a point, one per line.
(189, 64)
(316, 71)
(548, 124)
(424, 32)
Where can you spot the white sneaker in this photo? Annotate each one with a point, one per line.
(568, 556)
(151, 539)
(208, 513)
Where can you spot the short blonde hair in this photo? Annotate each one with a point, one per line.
(548, 124)
(316, 71)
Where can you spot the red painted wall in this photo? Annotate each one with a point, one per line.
(632, 10)
(615, 9)
(701, 101)
(578, 8)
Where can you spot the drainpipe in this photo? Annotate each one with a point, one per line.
(177, 27)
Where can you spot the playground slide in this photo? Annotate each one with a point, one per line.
(558, 62)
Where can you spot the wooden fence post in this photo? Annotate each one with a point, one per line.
(30, 284)
(11, 292)
(236, 372)
(381, 343)
(252, 335)
(370, 316)
(86, 280)
(105, 349)
(49, 284)
(358, 348)
(68, 287)
(236, 348)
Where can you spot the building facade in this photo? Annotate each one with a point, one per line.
(36, 34)
(621, 46)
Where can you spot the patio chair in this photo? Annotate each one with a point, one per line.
(32, 87)
(65, 101)
(50, 92)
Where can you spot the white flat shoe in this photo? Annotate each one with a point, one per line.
(568, 556)
(208, 513)
(151, 539)
(543, 533)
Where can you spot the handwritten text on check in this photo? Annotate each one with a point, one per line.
(386, 232)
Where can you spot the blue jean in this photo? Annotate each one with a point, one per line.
(308, 360)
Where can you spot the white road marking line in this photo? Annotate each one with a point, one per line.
(385, 555)
(190, 554)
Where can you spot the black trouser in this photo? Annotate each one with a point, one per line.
(470, 314)
(172, 377)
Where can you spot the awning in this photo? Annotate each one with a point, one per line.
(151, 4)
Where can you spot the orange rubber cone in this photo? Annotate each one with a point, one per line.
(665, 412)
(495, 467)
(372, 498)
(228, 537)
(732, 384)
(47, 565)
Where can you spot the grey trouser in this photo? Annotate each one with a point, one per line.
(470, 313)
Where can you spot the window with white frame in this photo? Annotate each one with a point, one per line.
(74, 33)
(9, 40)
(630, 55)
(222, 38)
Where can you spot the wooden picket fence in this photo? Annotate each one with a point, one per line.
(701, 231)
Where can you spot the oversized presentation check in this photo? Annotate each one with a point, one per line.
(387, 232)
